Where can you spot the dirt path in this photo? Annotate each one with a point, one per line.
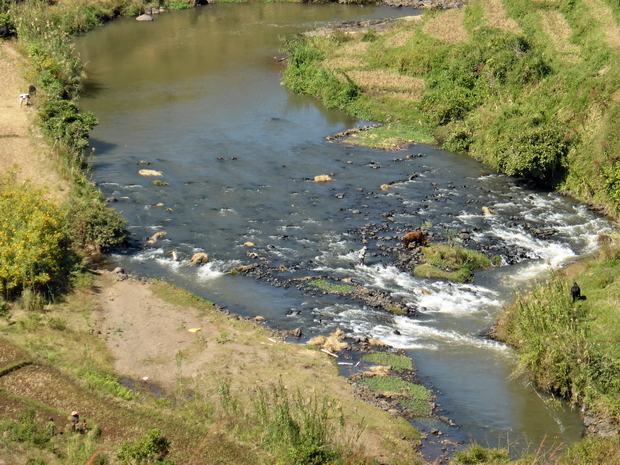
(20, 142)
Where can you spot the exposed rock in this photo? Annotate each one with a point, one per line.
(144, 18)
(199, 258)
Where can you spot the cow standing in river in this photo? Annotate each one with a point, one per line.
(417, 237)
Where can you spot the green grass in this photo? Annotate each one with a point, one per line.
(451, 261)
(392, 136)
(331, 287)
(396, 385)
(397, 362)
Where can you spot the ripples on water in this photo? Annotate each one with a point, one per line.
(196, 94)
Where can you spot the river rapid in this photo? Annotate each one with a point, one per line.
(197, 96)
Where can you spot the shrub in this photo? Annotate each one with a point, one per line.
(476, 454)
(93, 226)
(62, 121)
(33, 241)
(151, 448)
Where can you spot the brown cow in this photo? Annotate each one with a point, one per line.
(417, 237)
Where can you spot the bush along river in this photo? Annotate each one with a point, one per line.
(194, 98)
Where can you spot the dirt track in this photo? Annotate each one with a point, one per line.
(20, 144)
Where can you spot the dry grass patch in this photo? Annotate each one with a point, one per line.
(447, 27)
(380, 80)
(414, 96)
(556, 27)
(606, 18)
(333, 342)
(399, 39)
(345, 62)
(498, 18)
(354, 48)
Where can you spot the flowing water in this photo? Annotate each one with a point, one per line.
(197, 95)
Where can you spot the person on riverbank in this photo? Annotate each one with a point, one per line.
(362, 255)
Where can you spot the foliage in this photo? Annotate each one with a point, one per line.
(476, 454)
(451, 261)
(392, 136)
(152, 448)
(416, 407)
(177, 5)
(303, 75)
(62, 121)
(592, 449)
(26, 429)
(32, 240)
(568, 347)
(93, 226)
(397, 362)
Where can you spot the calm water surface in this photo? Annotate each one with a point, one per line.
(197, 95)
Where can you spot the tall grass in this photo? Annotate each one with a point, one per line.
(558, 349)
(299, 429)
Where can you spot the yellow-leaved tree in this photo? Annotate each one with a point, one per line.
(33, 241)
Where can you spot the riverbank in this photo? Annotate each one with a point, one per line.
(192, 370)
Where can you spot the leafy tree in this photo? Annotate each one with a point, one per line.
(33, 243)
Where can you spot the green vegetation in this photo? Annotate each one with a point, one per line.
(329, 286)
(83, 223)
(451, 261)
(529, 88)
(32, 241)
(572, 349)
(152, 448)
(396, 385)
(477, 454)
(397, 362)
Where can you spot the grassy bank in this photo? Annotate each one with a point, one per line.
(527, 87)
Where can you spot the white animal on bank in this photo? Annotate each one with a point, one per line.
(24, 98)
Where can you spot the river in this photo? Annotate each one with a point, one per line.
(197, 96)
